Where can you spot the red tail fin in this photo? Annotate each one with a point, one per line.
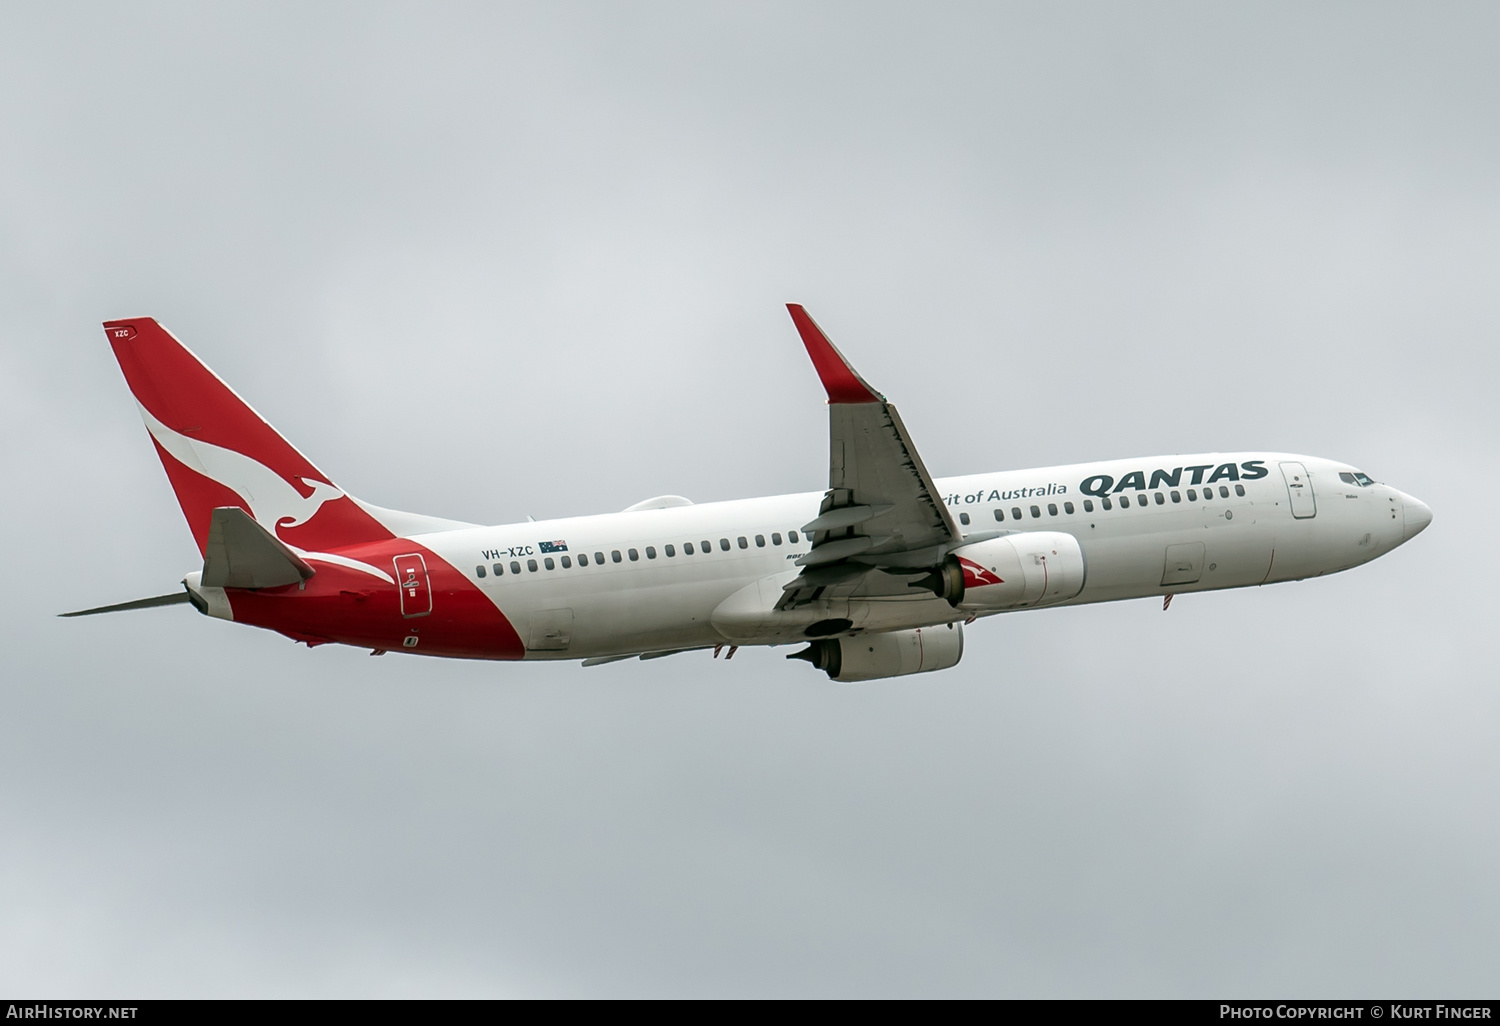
(219, 452)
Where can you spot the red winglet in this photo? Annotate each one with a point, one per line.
(841, 381)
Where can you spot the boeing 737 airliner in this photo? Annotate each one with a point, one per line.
(877, 575)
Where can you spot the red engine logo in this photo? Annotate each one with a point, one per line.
(976, 576)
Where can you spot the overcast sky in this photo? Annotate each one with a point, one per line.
(495, 261)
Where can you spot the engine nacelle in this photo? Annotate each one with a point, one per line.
(1028, 568)
(887, 654)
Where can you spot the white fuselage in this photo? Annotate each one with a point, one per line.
(1171, 538)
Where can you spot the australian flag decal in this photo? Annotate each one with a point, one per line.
(553, 546)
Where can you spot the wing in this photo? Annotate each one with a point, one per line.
(881, 508)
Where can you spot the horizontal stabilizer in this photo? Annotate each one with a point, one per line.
(176, 598)
(242, 554)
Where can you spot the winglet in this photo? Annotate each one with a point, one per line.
(841, 381)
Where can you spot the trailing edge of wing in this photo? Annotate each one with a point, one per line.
(841, 381)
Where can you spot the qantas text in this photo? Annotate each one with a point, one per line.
(1103, 484)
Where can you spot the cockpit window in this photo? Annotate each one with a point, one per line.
(1364, 479)
(1347, 477)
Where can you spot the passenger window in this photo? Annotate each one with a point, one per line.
(999, 513)
(599, 558)
(1239, 490)
(1192, 495)
(1208, 493)
(791, 536)
(1161, 500)
(760, 541)
(1067, 507)
(744, 543)
(687, 548)
(724, 544)
(650, 551)
(669, 550)
(1124, 502)
(583, 559)
(531, 565)
(1036, 511)
(708, 546)
(549, 564)
(1088, 505)
(963, 518)
(1015, 512)
(775, 537)
(634, 555)
(1176, 496)
(499, 569)
(479, 571)
(1106, 502)
(1223, 492)
(614, 554)
(1052, 509)
(1347, 478)
(567, 562)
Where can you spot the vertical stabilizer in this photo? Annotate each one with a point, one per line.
(219, 452)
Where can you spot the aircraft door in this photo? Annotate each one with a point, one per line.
(1184, 564)
(551, 629)
(411, 579)
(1299, 487)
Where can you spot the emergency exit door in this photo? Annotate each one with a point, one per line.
(1184, 564)
(551, 629)
(1299, 487)
(411, 578)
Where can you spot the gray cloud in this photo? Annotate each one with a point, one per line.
(489, 261)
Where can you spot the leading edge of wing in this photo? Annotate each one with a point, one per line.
(841, 381)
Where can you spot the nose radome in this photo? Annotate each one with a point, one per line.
(1417, 514)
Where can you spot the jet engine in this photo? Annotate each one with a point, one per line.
(888, 654)
(1028, 568)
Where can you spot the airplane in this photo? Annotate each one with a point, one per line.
(877, 575)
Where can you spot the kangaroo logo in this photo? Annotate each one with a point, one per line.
(976, 576)
(272, 500)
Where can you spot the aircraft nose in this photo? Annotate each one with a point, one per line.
(1417, 514)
